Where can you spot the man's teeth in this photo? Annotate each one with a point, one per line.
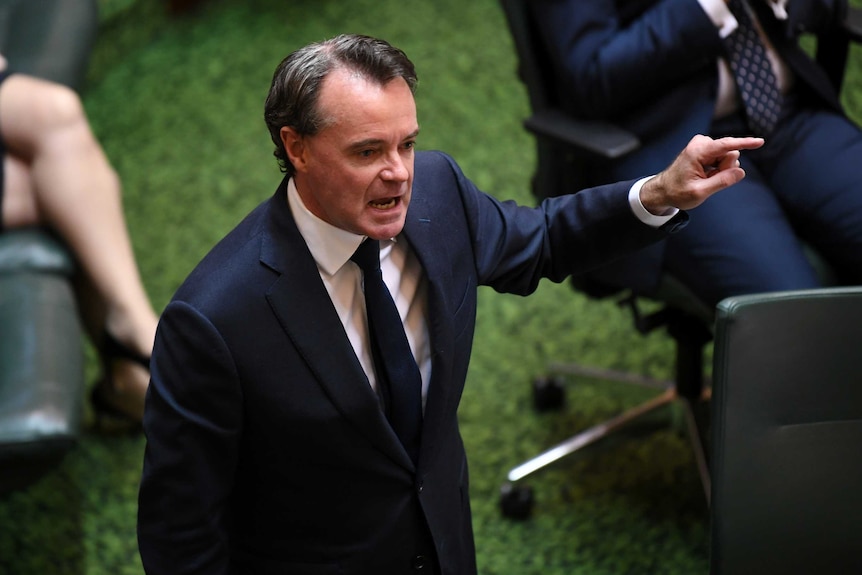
(384, 204)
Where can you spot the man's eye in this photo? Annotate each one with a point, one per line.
(409, 145)
(366, 153)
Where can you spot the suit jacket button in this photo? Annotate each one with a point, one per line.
(419, 563)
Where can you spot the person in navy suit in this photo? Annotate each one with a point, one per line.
(267, 448)
(659, 69)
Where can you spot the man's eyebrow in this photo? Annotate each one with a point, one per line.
(371, 142)
(367, 143)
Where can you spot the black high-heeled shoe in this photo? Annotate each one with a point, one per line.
(108, 415)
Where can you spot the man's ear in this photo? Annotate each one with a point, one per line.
(294, 146)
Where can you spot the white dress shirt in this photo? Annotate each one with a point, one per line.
(331, 248)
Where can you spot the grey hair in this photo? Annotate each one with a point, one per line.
(295, 91)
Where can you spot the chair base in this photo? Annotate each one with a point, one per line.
(516, 499)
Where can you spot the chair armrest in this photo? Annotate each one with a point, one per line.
(600, 138)
(833, 46)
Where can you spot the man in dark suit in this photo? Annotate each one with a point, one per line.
(661, 68)
(269, 443)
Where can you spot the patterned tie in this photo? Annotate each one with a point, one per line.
(397, 373)
(753, 71)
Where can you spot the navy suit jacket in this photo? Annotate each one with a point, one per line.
(267, 451)
(650, 66)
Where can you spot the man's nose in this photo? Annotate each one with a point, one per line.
(396, 169)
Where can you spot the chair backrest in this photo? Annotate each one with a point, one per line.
(534, 66)
(536, 73)
(49, 39)
(565, 144)
(787, 434)
(833, 46)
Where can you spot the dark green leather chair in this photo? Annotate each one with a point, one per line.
(41, 355)
(787, 431)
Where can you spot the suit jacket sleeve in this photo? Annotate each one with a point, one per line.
(517, 246)
(192, 399)
(614, 56)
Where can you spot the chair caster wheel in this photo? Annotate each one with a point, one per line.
(516, 501)
(548, 393)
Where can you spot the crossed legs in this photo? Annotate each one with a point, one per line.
(57, 175)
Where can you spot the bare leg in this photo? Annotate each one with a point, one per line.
(58, 175)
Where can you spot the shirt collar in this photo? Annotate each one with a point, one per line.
(331, 247)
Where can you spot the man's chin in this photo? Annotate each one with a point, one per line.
(385, 224)
(385, 231)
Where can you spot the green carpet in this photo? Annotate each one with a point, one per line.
(177, 103)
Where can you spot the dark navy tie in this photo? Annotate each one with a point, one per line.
(752, 69)
(398, 378)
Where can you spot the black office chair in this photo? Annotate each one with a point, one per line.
(787, 429)
(565, 147)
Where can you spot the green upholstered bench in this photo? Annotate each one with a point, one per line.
(41, 345)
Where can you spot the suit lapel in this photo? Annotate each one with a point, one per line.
(423, 233)
(302, 305)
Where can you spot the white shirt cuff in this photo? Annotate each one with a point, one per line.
(779, 8)
(641, 212)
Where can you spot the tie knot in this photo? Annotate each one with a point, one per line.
(367, 255)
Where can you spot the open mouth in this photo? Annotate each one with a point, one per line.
(384, 204)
